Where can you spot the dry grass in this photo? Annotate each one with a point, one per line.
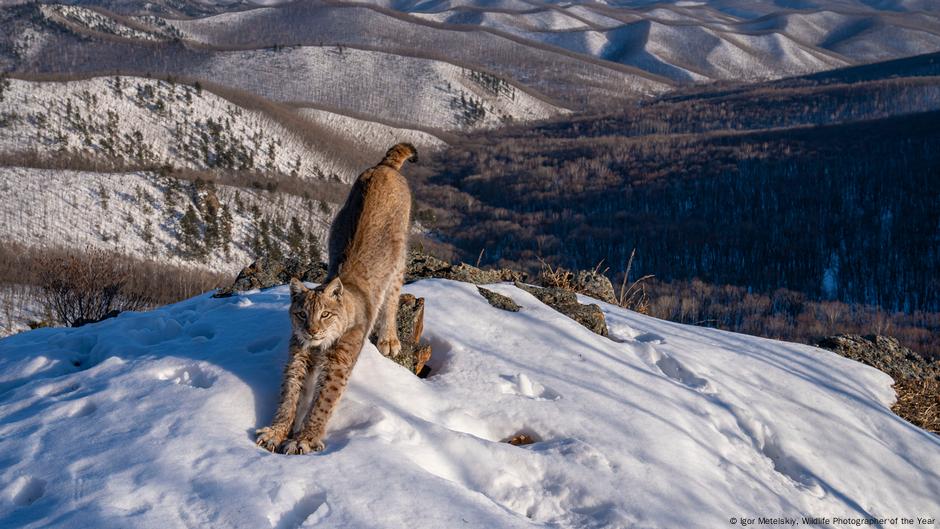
(634, 296)
(919, 403)
(556, 277)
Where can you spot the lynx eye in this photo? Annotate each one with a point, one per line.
(325, 314)
(302, 314)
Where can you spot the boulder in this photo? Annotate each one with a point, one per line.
(566, 302)
(916, 379)
(414, 355)
(588, 282)
(265, 272)
(595, 284)
(498, 300)
(883, 353)
(422, 266)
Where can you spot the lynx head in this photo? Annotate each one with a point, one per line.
(318, 316)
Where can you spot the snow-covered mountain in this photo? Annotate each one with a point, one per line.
(147, 420)
(408, 63)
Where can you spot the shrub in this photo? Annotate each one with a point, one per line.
(83, 287)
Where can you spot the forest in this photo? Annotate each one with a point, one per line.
(827, 189)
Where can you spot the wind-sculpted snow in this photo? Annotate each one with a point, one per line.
(146, 420)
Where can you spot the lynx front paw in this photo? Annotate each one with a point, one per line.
(389, 347)
(301, 446)
(269, 438)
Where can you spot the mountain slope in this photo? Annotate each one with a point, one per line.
(147, 420)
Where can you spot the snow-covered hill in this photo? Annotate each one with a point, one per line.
(267, 171)
(147, 420)
(153, 123)
(141, 214)
(416, 92)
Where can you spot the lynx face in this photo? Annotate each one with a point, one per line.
(318, 316)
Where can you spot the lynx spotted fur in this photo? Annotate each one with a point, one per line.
(368, 243)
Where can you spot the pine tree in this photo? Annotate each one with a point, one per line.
(295, 240)
(226, 224)
(190, 236)
(211, 208)
(314, 253)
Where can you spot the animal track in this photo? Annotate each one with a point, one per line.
(263, 345)
(650, 337)
(83, 409)
(760, 435)
(520, 384)
(578, 451)
(676, 371)
(26, 490)
(765, 441)
(672, 368)
(201, 330)
(191, 375)
(309, 508)
(53, 390)
(442, 351)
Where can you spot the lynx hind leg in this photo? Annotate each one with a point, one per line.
(389, 343)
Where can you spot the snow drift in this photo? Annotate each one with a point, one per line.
(147, 420)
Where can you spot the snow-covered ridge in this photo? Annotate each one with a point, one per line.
(89, 19)
(414, 92)
(367, 135)
(717, 43)
(155, 122)
(147, 420)
(140, 214)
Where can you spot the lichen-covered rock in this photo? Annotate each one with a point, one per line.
(413, 354)
(588, 282)
(422, 266)
(266, 273)
(916, 379)
(566, 302)
(498, 300)
(883, 353)
(596, 285)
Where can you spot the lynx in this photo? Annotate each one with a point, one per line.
(367, 246)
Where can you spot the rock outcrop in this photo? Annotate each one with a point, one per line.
(498, 300)
(883, 353)
(266, 273)
(596, 285)
(422, 266)
(414, 355)
(566, 302)
(916, 380)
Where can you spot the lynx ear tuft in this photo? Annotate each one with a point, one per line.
(414, 152)
(296, 286)
(334, 288)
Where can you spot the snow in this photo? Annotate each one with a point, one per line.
(365, 135)
(102, 114)
(19, 305)
(136, 216)
(147, 420)
(95, 21)
(414, 92)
